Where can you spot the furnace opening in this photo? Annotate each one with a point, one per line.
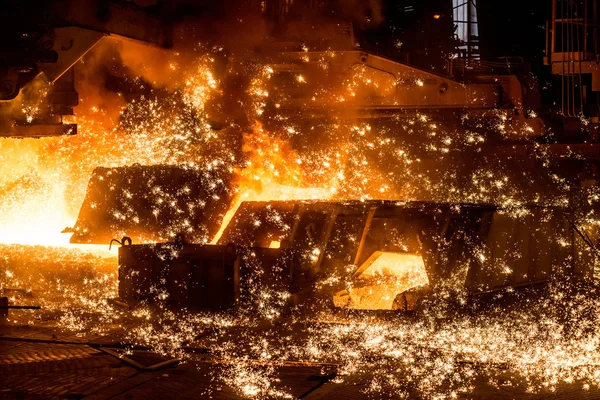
(383, 277)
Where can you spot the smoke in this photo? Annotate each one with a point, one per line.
(367, 13)
(195, 104)
(138, 104)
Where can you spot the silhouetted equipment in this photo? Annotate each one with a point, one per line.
(41, 44)
(152, 204)
(4, 307)
(384, 248)
(184, 275)
(572, 52)
(389, 252)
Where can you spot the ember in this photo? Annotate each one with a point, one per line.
(287, 199)
(381, 278)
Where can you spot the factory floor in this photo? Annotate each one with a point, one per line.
(79, 346)
(44, 362)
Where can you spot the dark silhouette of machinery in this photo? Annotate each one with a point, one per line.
(484, 246)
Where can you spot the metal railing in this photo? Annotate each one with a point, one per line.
(469, 66)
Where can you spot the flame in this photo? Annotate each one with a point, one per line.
(271, 173)
(406, 266)
(385, 275)
(44, 180)
(273, 170)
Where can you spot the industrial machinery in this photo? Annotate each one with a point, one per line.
(385, 254)
(383, 88)
(41, 45)
(369, 254)
(152, 204)
(362, 255)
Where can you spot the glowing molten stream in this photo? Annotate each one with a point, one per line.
(381, 278)
(271, 192)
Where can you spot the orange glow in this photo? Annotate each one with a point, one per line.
(271, 173)
(275, 244)
(381, 278)
(407, 266)
(271, 191)
(44, 180)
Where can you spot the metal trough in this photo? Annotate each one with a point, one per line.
(297, 246)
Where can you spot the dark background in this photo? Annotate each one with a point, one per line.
(401, 29)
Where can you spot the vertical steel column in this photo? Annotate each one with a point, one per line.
(365, 232)
(595, 26)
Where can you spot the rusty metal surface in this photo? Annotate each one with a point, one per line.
(196, 276)
(128, 201)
